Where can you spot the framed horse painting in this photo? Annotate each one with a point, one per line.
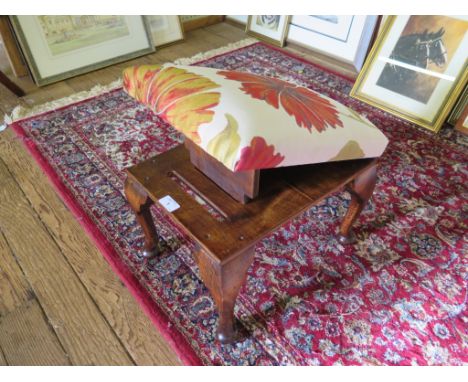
(417, 68)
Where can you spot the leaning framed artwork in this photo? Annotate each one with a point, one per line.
(454, 115)
(343, 37)
(165, 30)
(270, 28)
(462, 123)
(417, 68)
(59, 47)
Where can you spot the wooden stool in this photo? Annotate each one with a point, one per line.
(225, 248)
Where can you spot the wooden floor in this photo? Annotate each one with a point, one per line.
(60, 302)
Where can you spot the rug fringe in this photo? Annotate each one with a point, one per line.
(215, 52)
(22, 112)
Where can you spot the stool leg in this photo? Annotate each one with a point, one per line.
(361, 189)
(224, 281)
(141, 203)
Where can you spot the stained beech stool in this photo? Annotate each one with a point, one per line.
(226, 246)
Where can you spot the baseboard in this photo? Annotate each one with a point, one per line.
(202, 22)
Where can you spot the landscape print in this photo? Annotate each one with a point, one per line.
(426, 42)
(67, 33)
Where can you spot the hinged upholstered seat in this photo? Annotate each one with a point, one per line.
(251, 122)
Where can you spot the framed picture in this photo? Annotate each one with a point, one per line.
(59, 47)
(165, 30)
(12, 50)
(462, 123)
(460, 105)
(272, 29)
(345, 38)
(417, 68)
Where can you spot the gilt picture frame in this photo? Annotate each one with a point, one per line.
(454, 115)
(417, 68)
(272, 29)
(462, 123)
(165, 29)
(60, 47)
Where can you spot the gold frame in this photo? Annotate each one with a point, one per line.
(458, 108)
(267, 39)
(446, 104)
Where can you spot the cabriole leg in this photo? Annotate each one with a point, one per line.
(224, 282)
(361, 189)
(141, 203)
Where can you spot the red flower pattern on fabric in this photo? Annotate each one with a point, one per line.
(258, 155)
(310, 109)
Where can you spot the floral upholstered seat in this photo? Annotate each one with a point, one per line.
(250, 122)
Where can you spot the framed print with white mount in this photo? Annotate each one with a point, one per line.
(60, 47)
(165, 29)
(270, 28)
(343, 37)
(417, 68)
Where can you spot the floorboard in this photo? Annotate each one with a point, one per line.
(27, 339)
(14, 287)
(3, 361)
(120, 309)
(80, 326)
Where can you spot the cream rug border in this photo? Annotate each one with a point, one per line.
(22, 112)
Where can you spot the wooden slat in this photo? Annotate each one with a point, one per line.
(3, 361)
(246, 224)
(26, 338)
(319, 180)
(81, 328)
(134, 329)
(14, 288)
(284, 193)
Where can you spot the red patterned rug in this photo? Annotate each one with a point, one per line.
(397, 297)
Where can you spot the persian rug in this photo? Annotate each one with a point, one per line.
(396, 297)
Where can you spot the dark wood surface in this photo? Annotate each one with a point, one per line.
(226, 247)
(242, 185)
(10, 85)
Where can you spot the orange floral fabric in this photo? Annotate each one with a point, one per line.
(249, 122)
(175, 94)
(309, 109)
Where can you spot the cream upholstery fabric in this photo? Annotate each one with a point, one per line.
(248, 121)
